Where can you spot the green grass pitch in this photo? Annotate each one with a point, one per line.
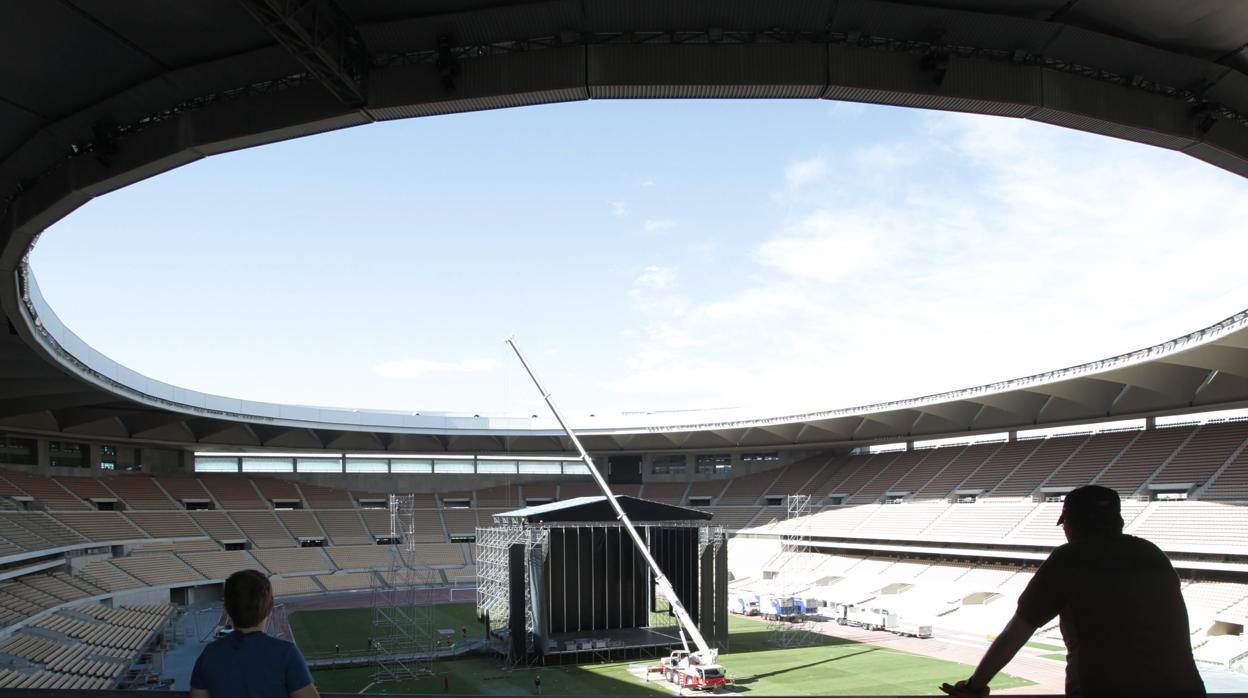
(830, 667)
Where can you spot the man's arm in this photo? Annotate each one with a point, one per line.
(308, 691)
(1000, 652)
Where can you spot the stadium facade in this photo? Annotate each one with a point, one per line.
(105, 517)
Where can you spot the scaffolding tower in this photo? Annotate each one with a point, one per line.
(494, 582)
(793, 627)
(403, 641)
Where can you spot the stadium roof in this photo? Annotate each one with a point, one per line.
(95, 95)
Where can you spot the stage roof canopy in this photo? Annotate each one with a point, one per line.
(597, 510)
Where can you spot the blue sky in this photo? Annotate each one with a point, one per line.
(650, 255)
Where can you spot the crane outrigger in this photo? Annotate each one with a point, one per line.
(696, 669)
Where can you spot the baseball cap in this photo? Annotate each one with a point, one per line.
(1091, 503)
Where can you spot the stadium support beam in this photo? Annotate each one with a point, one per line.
(323, 39)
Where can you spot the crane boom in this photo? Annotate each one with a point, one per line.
(705, 652)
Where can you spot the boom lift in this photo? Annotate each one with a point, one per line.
(697, 669)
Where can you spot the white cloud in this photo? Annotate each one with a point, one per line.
(826, 246)
(412, 368)
(658, 226)
(619, 209)
(801, 172)
(647, 184)
(656, 278)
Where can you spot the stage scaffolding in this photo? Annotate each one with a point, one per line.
(794, 578)
(659, 630)
(403, 640)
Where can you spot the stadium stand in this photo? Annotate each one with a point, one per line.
(747, 489)
(184, 488)
(292, 586)
(86, 488)
(318, 497)
(166, 524)
(42, 530)
(361, 557)
(507, 496)
(1199, 459)
(798, 478)
(868, 468)
(986, 521)
(1145, 456)
(711, 489)
(301, 524)
(345, 581)
(101, 525)
(158, 570)
(274, 490)
(882, 478)
(185, 546)
(263, 528)
(139, 492)
(223, 563)
(1231, 483)
(666, 492)
(218, 525)
(107, 576)
(459, 522)
(233, 492)
(1097, 453)
(294, 560)
(1036, 466)
(900, 520)
(935, 462)
(540, 490)
(972, 469)
(1195, 526)
(45, 490)
(344, 527)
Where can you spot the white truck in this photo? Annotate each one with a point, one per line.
(684, 670)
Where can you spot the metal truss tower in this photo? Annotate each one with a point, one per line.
(403, 642)
(494, 582)
(794, 578)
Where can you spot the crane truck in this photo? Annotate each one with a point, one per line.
(690, 669)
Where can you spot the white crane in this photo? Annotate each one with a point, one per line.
(705, 655)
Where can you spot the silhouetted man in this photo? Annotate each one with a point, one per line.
(1122, 615)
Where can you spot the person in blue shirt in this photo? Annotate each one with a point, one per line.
(247, 663)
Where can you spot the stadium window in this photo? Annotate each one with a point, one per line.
(311, 542)
(463, 538)
(374, 504)
(713, 464)
(895, 499)
(965, 499)
(411, 465)
(15, 450)
(836, 500)
(68, 454)
(496, 467)
(674, 464)
(318, 465)
(108, 457)
(1170, 495)
(775, 501)
(887, 448)
(367, 465)
(575, 468)
(540, 467)
(699, 501)
(457, 466)
(456, 503)
(387, 540)
(268, 465)
(1100, 427)
(209, 464)
(764, 457)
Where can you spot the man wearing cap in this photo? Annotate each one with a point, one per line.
(1122, 616)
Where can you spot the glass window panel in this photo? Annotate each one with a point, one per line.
(452, 466)
(575, 468)
(319, 465)
(496, 466)
(411, 466)
(268, 465)
(216, 465)
(367, 465)
(540, 467)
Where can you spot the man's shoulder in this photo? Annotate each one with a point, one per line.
(250, 643)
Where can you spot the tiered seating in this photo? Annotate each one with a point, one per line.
(290, 586)
(572, 490)
(361, 557)
(139, 492)
(1201, 457)
(747, 489)
(936, 461)
(1049, 454)
(978, 467)
(183, 546)
(319, 497)
(184, 488)
(158, 570)
(838, 521)
(460, 521)
(346, 581)
(438, 554)
(769, 514)
(166, 524)
(273, 489)
(900, 520)
(733, 518)
(45, 490)
(1221, 651)
(8, 489)
(44, 527)
(707, 488)
(889, 473)
(988, 521)
(65, 665)
(501, 496)
(1142, 458)
(234, 492)
(101, 525)
(870, 467)
(1206, 599)
(263, 528)
(427, 522)
(59, 585)
(404, 577)
(301, 524)
(1089, 461)
(15, 537)
(218, 525)
(797, 477)
(223, 563)
(345, 527)
(540, 490)
(1232, 483)
(666, 492)
(1196, 526)
(294, 560)
(107, 576)
(86, 488)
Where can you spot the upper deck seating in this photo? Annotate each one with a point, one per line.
(218, 525)
(1099, 451)
(107, 576)
(222, 563)
(1142, 458)
(233, 492)
(1232, 483)
(427, 523)
(887, 474)
(291, 586)
(540, 490)
(42, 526)
(1191, 525)
(501, 496)
(900, 520)
(461, 522)
(346, 581)
(302, 524)
(748, 489)
(275, 490)
(976, 466)
(294, 560)
(184, 488)
(859, 471)
(733, 518)
(983, 521)
(1049, 454)
(362, 557)
(666, 492)
(585, 488)
(184, 546)
(796, 478)
(45, 490)
(319, 497)
(344, 527)
(706, 488)
(1202, 456)
(263, 528)
(86, 488)
(139, 492)
(935, 463)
